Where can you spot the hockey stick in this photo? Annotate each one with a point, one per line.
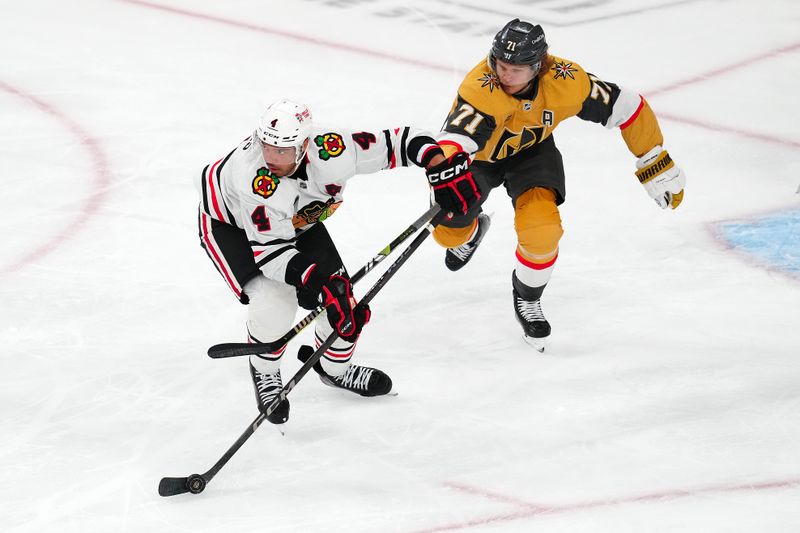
(235, 349)
(196, 483)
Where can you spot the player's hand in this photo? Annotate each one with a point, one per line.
(345, 316)
(454, 187)
(661, 178)
(335, 292)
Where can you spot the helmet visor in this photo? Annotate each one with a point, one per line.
(279, 155)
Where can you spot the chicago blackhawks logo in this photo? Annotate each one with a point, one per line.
(314, 212)
(330, 145)
(265, 184)
(491, 80)
(563, 69)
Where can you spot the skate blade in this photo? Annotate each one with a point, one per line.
(278, 427)
(539, 344)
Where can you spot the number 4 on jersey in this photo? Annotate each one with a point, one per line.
(364, 139)
(260, 218)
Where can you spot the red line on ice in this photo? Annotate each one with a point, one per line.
(289, 35)
(725, 70)
(531, 509)
(91, 204)
(433, 66)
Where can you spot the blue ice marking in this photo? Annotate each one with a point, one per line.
(771, 239)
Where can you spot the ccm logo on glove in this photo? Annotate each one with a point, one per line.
(446, 174)
(454, 187)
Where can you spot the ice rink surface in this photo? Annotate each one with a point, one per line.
(668, 400)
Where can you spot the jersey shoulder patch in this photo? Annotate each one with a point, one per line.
(565, 84)
(329, 144)
(481, 89)
(331, 155)
(565, 69)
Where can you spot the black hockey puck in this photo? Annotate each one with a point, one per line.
(196, 483)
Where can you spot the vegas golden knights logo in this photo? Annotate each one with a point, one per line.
(510, 142)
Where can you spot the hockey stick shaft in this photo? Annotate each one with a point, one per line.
(196, 483)
(235, 349)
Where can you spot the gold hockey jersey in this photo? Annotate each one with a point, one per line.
(493, 125)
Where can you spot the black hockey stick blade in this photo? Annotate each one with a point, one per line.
(237, 349)
(172, 486)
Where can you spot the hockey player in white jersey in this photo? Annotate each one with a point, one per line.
(260, 223)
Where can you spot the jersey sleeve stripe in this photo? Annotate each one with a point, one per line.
(404, 147)
(392, 162)
(635, 114)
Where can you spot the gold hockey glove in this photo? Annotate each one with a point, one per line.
(661, 178)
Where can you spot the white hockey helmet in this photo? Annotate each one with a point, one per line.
(286, 124)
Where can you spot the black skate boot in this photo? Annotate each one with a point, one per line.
(455, 258)
(267, 388)
(362, 380)
(528, 308)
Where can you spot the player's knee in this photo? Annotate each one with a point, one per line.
(452, 237)
(538, 222)
(271, 310)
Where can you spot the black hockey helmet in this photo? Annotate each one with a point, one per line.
(519, 43)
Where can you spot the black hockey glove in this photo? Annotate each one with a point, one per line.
(336, 294)
(454, 188)
(345, 316)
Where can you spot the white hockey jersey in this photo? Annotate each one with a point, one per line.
(240, 190)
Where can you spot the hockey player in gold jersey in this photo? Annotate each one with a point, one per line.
(504, 116)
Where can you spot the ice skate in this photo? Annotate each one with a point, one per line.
(361, 380)
(535, 326)
(267, 387)
(456, 258)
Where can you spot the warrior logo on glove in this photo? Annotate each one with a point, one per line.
(662, 180)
